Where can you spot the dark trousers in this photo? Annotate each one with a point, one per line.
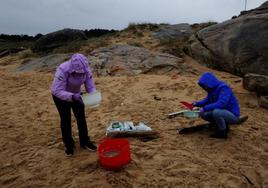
(64, 109)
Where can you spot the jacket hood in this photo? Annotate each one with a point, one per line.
(78, 63)
(209, 80)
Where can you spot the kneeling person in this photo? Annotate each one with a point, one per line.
(220, 107)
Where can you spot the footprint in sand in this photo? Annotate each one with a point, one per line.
(230, 180)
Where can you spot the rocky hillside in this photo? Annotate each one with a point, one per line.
(238, 46)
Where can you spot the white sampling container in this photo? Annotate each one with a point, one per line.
(191, 113)
(92, 100)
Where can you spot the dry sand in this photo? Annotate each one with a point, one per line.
(32, 155)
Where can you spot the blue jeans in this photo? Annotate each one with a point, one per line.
(222, 118)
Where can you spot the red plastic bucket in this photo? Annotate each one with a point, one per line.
(114, 153)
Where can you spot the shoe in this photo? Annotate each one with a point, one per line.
(219, 134)
(192, 129)
(69, 152)
(242, 119)
(211, 126)
(227, 129)
(89, 146)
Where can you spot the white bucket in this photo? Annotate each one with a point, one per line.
(92, 100)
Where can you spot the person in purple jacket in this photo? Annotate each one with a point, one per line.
(220, 107)
(66, 93)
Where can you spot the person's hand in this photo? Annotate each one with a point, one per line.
(77, 98)
(201, 112)
(193, 105)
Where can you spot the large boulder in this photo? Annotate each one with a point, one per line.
(264, 101)
(131, 60)
(57, 39)
(257, 83)
(46, 63)
(239, 45)
(173, 32)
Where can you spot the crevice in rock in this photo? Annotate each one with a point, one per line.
(204, 45)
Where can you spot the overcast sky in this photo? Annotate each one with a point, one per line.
(44, 16)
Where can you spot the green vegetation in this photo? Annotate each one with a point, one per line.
(198, 26)
(8, 45)
(19, 38)
(13, 43)
(92, 33)
(70, 47)
(93, 43)
(141, 26)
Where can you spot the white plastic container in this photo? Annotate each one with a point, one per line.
(191, 113)
(92, 100)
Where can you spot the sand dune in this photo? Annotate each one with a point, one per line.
(32, 155)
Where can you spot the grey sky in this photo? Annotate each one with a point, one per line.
(43, 16)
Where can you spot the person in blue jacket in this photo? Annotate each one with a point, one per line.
(220, 107)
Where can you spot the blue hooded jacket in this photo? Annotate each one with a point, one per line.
(221, 95)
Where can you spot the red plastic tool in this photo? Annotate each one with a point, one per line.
(187, 105)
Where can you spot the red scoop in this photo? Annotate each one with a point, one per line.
(187, 105)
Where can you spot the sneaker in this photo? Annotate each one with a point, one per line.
(69, 152)
(89, 146)
(242, 119)
(219, 134)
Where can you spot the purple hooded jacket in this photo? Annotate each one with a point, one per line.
(66, 82)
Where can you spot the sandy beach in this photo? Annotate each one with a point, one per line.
(32, 153)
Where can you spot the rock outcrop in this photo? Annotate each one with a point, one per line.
(257, 83)
(238, 46)
(46, 63)
(264, 101)
(173, 32)
(115, 60)
(131, 60)
(10, 51)
(57, 39)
